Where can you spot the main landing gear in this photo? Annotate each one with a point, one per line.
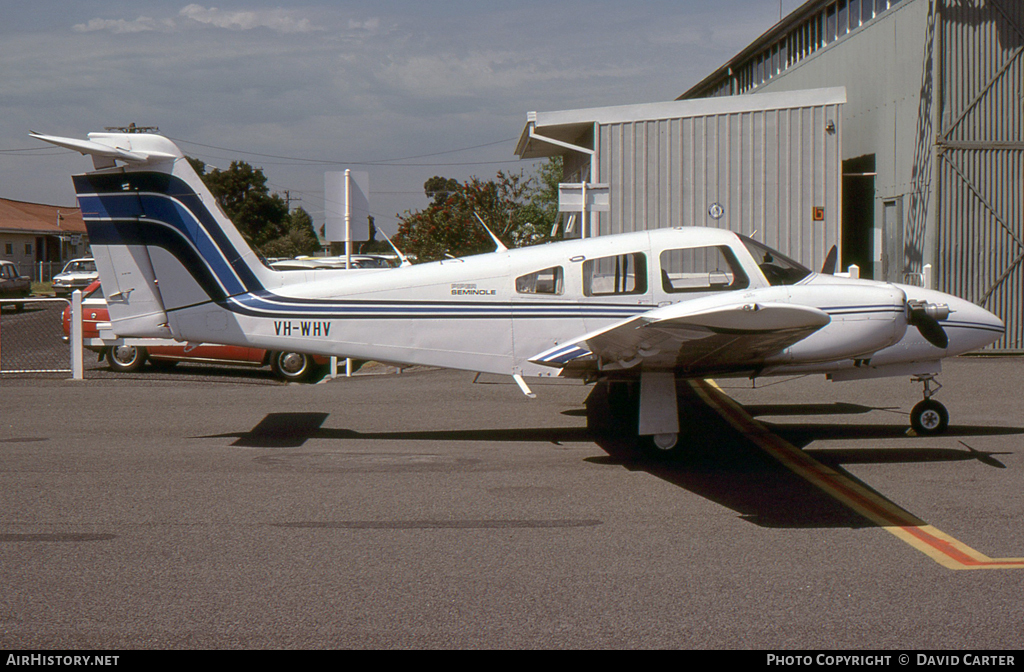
(929, 417)
(642, 416)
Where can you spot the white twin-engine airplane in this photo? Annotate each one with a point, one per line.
(640, 310)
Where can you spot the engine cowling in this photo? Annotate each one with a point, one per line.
(864, 320)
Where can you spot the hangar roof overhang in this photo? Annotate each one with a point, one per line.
(555, 133)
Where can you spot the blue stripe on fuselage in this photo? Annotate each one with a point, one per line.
(266, 304)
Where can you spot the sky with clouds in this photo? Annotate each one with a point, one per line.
(403, 90)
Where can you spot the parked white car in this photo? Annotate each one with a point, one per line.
(77, 274)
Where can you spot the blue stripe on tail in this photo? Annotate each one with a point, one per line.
(158, 201)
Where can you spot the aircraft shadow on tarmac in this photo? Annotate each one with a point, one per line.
(720, 463)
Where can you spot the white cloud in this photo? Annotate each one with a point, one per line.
(349, 81)
(274, 19)
(370, 24)
(139, 25)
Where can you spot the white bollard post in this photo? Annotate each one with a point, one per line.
(77, 367)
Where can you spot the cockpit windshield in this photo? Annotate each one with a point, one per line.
(778, 269)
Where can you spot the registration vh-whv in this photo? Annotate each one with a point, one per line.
(635, 311)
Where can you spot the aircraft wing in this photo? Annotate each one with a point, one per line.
(694, 338)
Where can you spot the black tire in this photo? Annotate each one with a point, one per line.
(126, 358)
(929, 417)
(295, 367)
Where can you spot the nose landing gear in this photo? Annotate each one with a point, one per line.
(929, 417)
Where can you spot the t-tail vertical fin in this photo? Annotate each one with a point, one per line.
(160, 240)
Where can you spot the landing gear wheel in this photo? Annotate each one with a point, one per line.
(929, 417)
(661, 447)
(126, 358)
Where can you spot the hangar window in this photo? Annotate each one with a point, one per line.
(611, 276)
(701, 269)
(548, 281)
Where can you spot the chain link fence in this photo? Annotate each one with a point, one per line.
(40, 271)
(31, 332)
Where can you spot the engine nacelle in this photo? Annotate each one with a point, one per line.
(864, 320)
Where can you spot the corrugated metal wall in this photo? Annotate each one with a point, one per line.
(768, 170)
(981, 167)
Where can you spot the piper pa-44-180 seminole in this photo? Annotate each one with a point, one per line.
(636, 310)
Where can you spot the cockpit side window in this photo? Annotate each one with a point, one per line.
(547, 281)
(615, 276)
(778, 269)
(701, 269)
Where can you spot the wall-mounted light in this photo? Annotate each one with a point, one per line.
(830, 127)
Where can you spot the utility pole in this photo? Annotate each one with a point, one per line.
(288, 199)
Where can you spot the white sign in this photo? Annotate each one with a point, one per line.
(346, 199)
(572, 195)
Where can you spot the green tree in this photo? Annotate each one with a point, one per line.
(515, 207)
(299, 237)
(261, 217)
(545, 197)
(438, 188)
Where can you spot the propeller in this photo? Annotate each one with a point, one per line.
(925, 316)
(829, 267)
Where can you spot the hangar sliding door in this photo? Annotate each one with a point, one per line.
(980, 169)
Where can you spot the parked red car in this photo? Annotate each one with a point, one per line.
(290, 366)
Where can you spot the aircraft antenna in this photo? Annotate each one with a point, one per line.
(497, 241)
(132, 128)
(405, 261)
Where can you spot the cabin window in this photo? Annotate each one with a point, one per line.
(613, 276)
(701, 269)
(548, 281)
(777, 268)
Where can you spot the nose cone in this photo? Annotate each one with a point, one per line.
(970, 327)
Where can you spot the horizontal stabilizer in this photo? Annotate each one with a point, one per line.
(97, 148)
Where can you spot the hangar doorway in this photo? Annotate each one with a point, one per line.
(858, 225)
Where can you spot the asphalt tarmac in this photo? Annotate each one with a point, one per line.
(424, 510)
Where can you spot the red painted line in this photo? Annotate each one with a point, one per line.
(874, 507)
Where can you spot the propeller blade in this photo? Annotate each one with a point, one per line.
(829, 267)
(929, 327)
(925, 316)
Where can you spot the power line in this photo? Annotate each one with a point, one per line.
(378, 162)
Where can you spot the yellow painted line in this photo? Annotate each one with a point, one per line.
(934, 543)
